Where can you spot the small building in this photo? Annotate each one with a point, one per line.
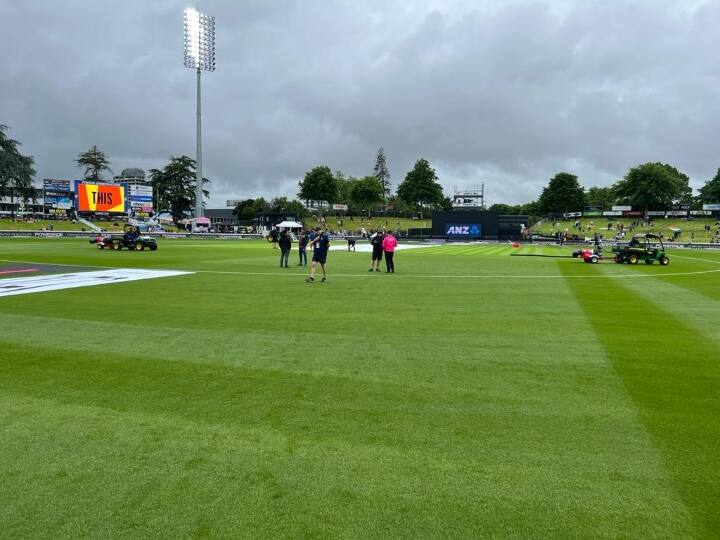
(132, 177)
(222, 219)
(12, 203)
(266, 220)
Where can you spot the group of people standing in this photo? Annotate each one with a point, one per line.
(317, 239)
(383, 245)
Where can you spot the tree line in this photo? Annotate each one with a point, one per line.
(420, 190)
(648, 186)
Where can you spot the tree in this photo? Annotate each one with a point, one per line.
(95, 162)
(245, 210)
(446, 204)
(366, 192)
(710, 192)
(600, 196)
(174, 187)
(281, 205)
(653, 186)
(16, 170)
(562, 194)
(421, 187)
(380, 171)
(248, 213)
(531, 209)
(319, 185)
(501, 208)
(261, 205)
(344, 187)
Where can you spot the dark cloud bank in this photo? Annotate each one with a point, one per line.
(502, 92)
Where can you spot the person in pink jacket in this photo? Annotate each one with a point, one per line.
(389, 244)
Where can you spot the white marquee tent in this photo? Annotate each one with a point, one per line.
(289, 225)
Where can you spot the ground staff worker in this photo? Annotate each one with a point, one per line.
(302, 245)
(377, 251)
(389, 244)
(285, 243)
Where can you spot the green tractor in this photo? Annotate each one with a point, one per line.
(643, 247)
(131, 239)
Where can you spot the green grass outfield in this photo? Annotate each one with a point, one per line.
(469, 394)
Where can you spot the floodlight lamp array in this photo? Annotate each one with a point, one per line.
(199, 40)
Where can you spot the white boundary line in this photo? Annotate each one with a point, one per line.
(696, 259)
(411, 276)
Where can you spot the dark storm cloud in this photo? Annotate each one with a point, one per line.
(503, 92)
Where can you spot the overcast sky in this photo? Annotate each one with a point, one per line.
(502, 92)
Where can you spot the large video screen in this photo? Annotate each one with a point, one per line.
(100, 197)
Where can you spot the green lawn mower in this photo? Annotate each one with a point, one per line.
(643, 247)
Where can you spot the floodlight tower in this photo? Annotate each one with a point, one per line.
(200, 56)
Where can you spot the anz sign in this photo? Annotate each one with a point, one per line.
(463, 229)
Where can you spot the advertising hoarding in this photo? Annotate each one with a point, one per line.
(592, 213)
(51, 184)
(463, 229)
(612, 213)
(343, 207)
(100, 197)
(633, 213)
(62, 200)
(139, 198)
(711, 207)
(621, 208)
(57, 194)
(655, 213)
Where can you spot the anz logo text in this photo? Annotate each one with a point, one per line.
(462, 229)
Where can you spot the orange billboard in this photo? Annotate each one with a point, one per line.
(100, 197)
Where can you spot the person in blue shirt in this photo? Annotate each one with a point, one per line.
(321, 245)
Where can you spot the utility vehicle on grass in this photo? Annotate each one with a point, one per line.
(642, 247)
(130, 239)
(590, 256)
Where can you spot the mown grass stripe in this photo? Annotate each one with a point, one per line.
(672, 374)
(692, 301)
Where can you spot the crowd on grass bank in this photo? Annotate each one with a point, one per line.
(684, 230)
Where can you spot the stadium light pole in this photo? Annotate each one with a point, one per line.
(200, 56)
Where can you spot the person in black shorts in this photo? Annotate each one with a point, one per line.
(321, 246)
(377, 251)
(351, 244)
